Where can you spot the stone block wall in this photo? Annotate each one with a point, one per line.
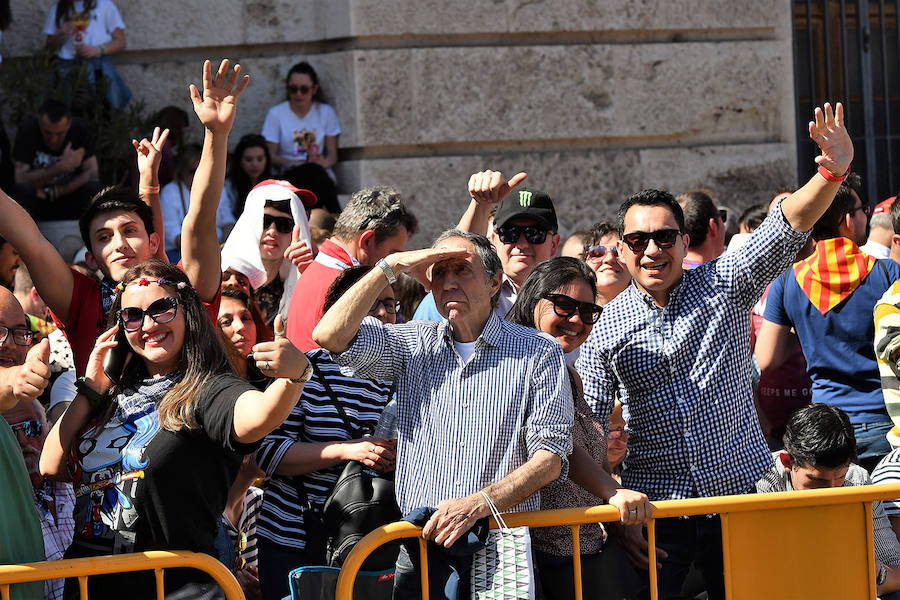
(594, 99)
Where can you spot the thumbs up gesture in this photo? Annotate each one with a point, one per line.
(298, 252)
(30, 378)
(279, 358)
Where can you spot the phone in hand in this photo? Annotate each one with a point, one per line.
(117, 357)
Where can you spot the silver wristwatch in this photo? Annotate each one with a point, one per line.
(388, 272)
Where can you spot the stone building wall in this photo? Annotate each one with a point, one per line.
(594, 99)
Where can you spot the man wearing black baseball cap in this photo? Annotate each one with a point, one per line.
(524, 232)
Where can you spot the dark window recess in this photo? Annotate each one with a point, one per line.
(849, 51)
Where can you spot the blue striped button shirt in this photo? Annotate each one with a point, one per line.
(464, 426)
(682, 372)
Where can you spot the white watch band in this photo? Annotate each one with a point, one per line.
(388, 272)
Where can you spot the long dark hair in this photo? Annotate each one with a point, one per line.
(240, 182)
(65, 8)
(203, 357)
(546, 278)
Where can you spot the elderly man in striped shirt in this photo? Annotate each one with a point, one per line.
(674, 348)
(485, 408)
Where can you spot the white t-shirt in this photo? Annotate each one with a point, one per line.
(464, 349)
(295, 136)
(91, 29)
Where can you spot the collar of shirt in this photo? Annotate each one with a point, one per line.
(334, 256)
(491, 334)
(647, 299)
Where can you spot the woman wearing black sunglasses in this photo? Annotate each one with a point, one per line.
(558, 299)
(302, 129)
(152, 456)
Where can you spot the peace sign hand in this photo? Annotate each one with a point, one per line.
(217, 107)
(149, 153)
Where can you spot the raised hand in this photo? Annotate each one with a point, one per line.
(417, 262)
(149, 153)
(298, 252)
(217, 106)
(94, 375)
(279, 358)
(490, 187)
(31, 377)
(829, 132)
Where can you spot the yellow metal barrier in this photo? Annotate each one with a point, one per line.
(781, 546)
(155, 561)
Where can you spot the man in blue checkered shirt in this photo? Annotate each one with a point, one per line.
(485, 409)
(674, 348)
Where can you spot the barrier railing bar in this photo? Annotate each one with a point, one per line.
(423, 564)
(576, 559)
(4, 592)
(870, 544)
(662, 509)
(160, 587)
(726, 553)
(121, 563)
(651, 556)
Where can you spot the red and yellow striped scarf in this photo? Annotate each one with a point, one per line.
(832, 272)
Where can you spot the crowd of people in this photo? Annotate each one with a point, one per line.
(163, 391)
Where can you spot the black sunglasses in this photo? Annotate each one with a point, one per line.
(867, 210)
(161, 311)
(303, 89)
(21, 336)
(723, 214)
(565, 307)
(638, 240)
(282, 224)
(391, 306)
(31, 429)
(510, 234)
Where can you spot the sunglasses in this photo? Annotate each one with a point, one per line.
(616, 434)
(31, 429)
(598, 252)
(565, 307)
(21, 336)
(161, 311)
(303, 89)
(510, 234)
(282, 224)
(638, 240)
(391, 306)
(867, 210)
(723, 214)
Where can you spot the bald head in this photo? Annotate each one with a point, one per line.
(12, 317)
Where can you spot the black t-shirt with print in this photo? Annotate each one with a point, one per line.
(31, 149)
(139, 487)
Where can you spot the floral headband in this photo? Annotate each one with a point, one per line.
(143, 282)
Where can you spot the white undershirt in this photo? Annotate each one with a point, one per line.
(464, 349)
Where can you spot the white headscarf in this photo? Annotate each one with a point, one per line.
(241, 250)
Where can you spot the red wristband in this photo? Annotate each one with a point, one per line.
(830, 177)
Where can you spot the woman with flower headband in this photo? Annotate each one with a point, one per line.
(152, 455)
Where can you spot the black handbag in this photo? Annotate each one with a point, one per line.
(362, 500)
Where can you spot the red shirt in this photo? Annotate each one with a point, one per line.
(86, 320)
(308, 298)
